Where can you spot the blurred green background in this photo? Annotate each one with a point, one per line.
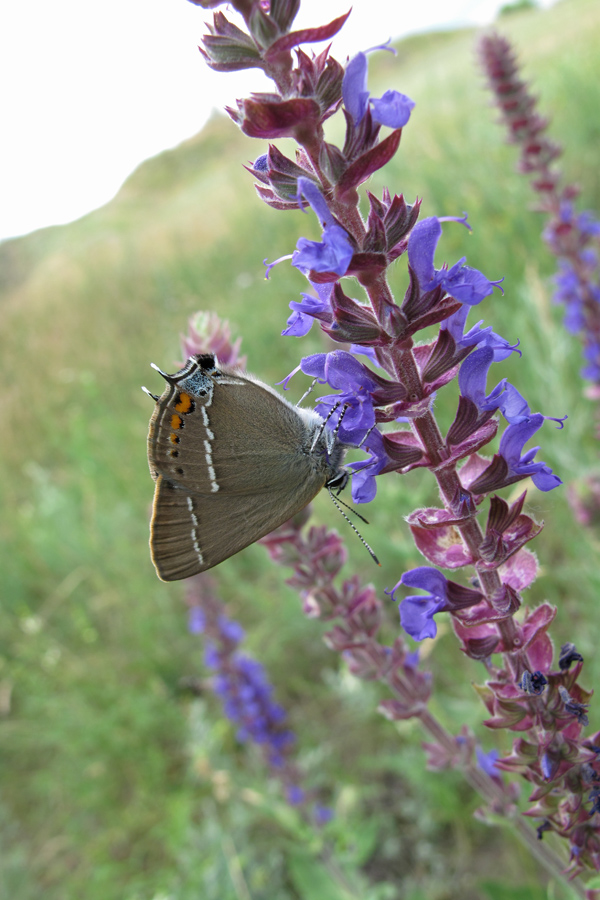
(115, 783)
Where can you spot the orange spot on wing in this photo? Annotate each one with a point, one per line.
(184, 403)
(176, 422)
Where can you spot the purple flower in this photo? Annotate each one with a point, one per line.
(295, 795)
(354, 87)
(229, 630)
(392, 110)
(584, 222)
(574, 707)
(592, 354)
(465, 284)
(568, 655)
(309, 309)
(364, 486)
(455, 324)
(533, 682)
(347, 375)
(487, 761)
(411, 660)
(322, 814)
(196, 620)
(548, 766)
(472, 383)
(332, 254)
(416, 613)
(212, 657)
(261, 163)
(568, 291)
(588, 224)
(335, 251)
(246, 696)
(511, 445)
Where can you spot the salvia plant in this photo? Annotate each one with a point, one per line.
(247, 697)
(572, 236)
(382, 383)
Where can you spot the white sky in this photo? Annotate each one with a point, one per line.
(92, 89)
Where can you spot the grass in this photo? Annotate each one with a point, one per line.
(118, 785)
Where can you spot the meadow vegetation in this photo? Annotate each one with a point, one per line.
(117, 782)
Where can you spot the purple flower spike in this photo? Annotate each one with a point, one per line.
(511, 444)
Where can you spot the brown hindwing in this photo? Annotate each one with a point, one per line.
(191, 533)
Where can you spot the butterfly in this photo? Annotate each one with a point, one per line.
(232, 460)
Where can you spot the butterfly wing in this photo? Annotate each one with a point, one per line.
(230, 465)
(240, 435)
(191, 533)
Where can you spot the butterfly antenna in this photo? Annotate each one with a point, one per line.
(306, 393)
(351, 508)
(365, 437)
(333, 409)
(352, 525)
(339, 421)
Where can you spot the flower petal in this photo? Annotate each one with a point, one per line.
(392, 110)
(354, 87)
